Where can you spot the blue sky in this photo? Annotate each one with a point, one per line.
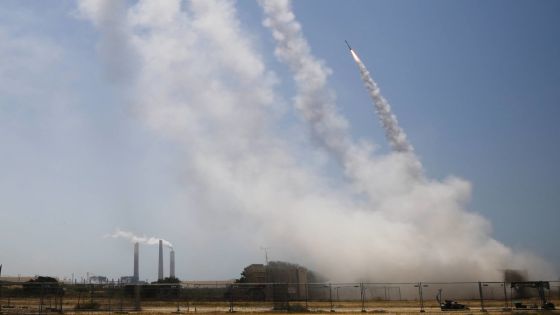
(473, 83)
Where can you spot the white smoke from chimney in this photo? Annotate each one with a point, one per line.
(133, 238)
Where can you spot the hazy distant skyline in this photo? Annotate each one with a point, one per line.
(474, 85)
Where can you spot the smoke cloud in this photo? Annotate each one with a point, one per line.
(247, 179)
(114, 46)
(133, 238)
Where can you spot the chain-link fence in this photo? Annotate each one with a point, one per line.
(39, 298)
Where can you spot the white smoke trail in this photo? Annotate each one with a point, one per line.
(133, 238)
(314, 100)
(201, 83)
(393, 131)
(316, 103)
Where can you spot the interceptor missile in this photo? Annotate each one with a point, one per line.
(348, 45)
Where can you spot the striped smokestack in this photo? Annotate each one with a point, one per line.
(160, 263)
(136, 271)
(172, 264)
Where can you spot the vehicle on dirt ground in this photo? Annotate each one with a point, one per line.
(449, 305)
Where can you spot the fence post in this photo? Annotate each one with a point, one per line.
(60, 297)
(421, 296)
(77, 288)
(288, 297)
(481, 297)
(111, 291)
(330, 297)
(121, 297)
(137, 306)
(187, 297)
(55, 300)
(41, 300)
(385, 292)
(178, 299)
(91, 289)
(362, 296)
(306, 295)
(272, 294)
(231, 298)
(505, 296)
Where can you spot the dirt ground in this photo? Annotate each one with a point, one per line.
(105, 306)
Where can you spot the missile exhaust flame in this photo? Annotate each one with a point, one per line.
(356, 58)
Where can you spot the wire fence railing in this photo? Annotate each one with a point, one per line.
(51, 297)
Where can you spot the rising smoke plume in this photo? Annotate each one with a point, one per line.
(202, 84)
(133, 238)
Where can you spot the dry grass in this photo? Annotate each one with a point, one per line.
(29, 305)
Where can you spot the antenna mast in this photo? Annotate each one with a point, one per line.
(265, 253)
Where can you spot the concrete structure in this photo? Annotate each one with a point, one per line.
(290, 280)
(255, 273)
(136, 275)
(295, 276)
(172, 264)
(160, 262)
(126, 280)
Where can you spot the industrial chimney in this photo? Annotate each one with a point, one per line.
(160, 262)
(136, 272)
(172, 264)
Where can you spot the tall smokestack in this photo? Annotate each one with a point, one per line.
(160, 263)
(172, 264)
(136, 271)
